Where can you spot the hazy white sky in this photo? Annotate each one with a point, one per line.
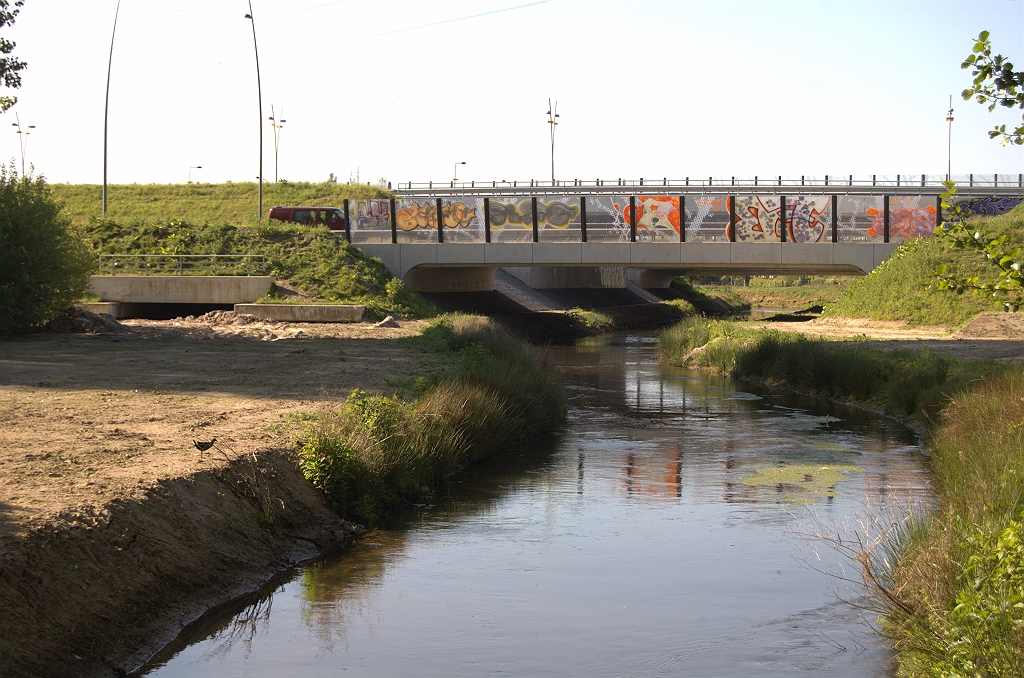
(403, 90)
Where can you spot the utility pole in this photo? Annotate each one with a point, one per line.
(278, 125)
(106, 107)
(259, 94)
(552, 122)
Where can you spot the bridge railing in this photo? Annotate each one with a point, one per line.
(183, 264)
(930, 181)
(623, 216)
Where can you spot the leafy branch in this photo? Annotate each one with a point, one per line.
(1007, 289)
(996, 84)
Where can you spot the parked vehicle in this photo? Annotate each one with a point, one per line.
(332, 217)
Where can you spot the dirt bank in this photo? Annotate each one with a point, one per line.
(114, 529)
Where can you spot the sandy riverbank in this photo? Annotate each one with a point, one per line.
(108, 514)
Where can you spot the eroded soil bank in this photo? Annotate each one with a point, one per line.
(114, 530)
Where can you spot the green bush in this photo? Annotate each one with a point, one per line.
(372, 452)
(44, 262)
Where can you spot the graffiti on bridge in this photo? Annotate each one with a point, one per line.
(554, 213)
(760, 219)
(423, 214)
(371, 214)
(989, 205)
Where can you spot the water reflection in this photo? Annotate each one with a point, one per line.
(657, 535)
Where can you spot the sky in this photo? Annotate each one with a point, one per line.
(403, 90)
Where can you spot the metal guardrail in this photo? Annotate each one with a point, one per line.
(183, 264)
(846, 183)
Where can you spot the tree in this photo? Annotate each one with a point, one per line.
(10, 66)
(44, 262)
(996, 84)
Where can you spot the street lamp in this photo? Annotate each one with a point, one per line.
(22, 139)
(455, 172)
(190, 172)
(106, 107)
(949, 140)
(552, 114)
(259, 95)
(278, 125)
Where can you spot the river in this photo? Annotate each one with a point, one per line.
(666, 531)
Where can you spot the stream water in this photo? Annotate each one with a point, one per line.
(666, 531)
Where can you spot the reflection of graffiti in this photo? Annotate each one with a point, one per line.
(373, 214)
(758, 218)
(989, 205)
(555, 213)
(906, 218)
(424, 215)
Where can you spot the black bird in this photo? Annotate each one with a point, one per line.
(203, 446)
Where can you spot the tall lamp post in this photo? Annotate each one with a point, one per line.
(455, 172)
(190, 172)
(552, 122)
(259, 94)
(22, 139)
(106, 107)
(949, 140)
(278, 125)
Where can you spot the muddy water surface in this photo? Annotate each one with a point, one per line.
(664, 532)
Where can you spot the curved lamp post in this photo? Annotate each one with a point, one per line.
(190, 172)
(259, 94)
(106, 107)
(455, 172)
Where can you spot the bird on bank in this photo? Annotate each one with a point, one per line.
(203, 446)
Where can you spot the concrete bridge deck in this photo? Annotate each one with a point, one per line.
(470, 267)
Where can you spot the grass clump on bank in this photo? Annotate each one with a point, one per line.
(373, 452)
(904, 383)
(317, 261)
(957, 606)
(951, 585)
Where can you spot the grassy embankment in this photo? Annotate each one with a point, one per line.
(782, 293)
(951, 583)
(228, 203)
(373, 452)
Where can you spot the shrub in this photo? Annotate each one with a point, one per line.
(44, 262)
(375, 451)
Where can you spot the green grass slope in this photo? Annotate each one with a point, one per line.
(900, 289)
(228, 203)
(317, 261)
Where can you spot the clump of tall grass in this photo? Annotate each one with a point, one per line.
(372, 452)
(957, 593)
(905, 383)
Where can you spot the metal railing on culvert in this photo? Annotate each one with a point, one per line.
(183, 264)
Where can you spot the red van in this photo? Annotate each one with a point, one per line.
(332, 217)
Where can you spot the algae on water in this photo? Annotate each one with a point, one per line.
(810, 479)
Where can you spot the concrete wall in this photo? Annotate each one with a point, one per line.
(186, 289)
(570, 277)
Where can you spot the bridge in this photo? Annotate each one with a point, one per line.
(571, 234)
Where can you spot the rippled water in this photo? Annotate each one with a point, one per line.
(665, 531)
